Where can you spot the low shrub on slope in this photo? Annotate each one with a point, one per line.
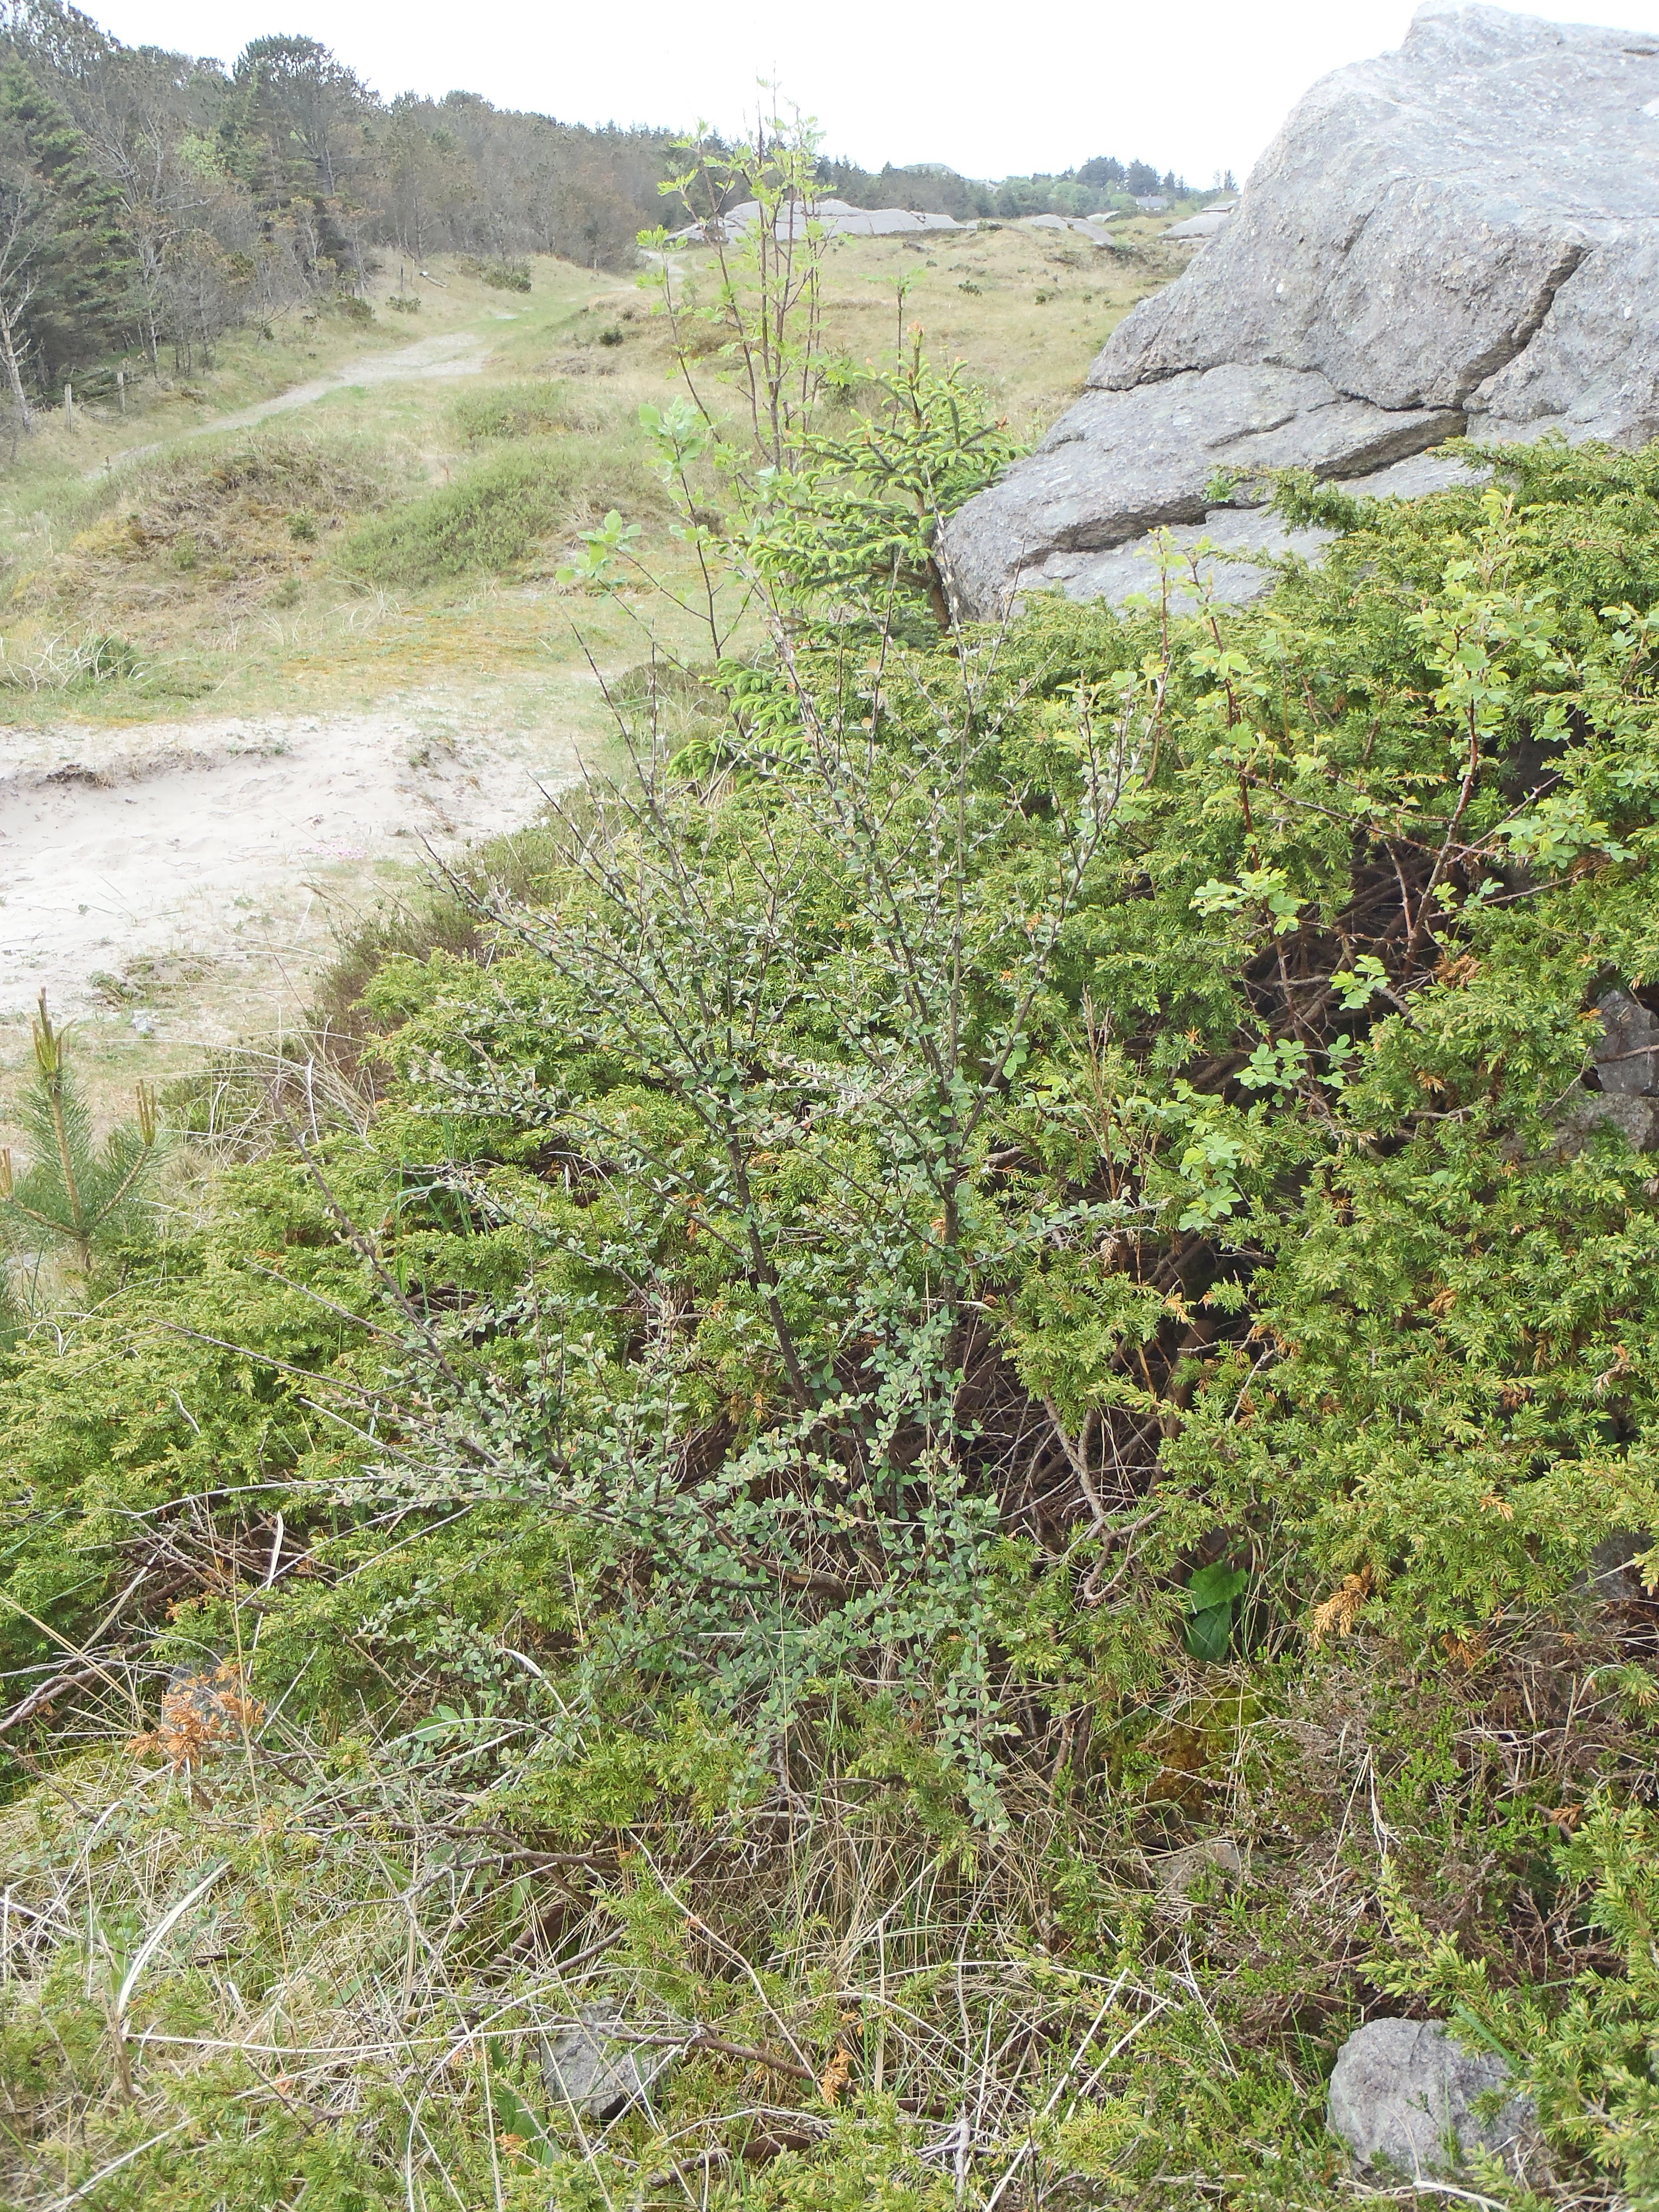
(943, 1440)
(194, 531)
(525, 410)
(492, 517)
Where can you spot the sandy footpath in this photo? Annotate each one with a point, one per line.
(224, 845)
(451, 353)
(186, 880)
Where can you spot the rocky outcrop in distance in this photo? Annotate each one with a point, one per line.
(1461, 236)
(835, 218)
(1091, 227)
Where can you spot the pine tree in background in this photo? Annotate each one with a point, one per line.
(82, 266)
(1105, 171)
(294, 133)
(312, 107)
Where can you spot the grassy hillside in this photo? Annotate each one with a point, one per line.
(157, 528)
(364, 522)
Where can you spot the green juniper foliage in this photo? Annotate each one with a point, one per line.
(951, 1427)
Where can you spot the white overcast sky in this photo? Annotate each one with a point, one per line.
(993, 90)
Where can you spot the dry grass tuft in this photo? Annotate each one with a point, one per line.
(226, 532)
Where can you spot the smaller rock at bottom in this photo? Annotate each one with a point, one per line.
(586, 2067)
(1404, 2096)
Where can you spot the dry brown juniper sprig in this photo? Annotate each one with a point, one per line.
(199, 1714)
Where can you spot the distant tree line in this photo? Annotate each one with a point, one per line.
(151, 201)
(929, 187)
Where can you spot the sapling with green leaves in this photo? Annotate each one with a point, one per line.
(818, 523)
(768, 303)
(76, 1199)
(853, 525)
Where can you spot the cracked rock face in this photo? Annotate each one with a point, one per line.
(1461, 235)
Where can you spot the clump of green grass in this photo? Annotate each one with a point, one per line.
(215, 526)
(514, 410)
(297, 471)
(502, 272)
(62, 664)
(490, 520)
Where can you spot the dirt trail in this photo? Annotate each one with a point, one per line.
(451, 353)
(219, 849)
(184, 878)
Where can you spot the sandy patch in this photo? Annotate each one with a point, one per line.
(228, 845)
